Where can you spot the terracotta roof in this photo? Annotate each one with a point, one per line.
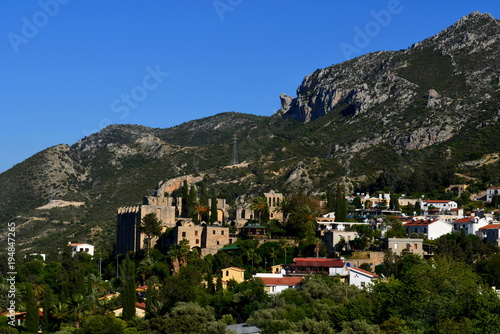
(494, 188)
(420, 222)
(364, 272)
(319, 262)
(464, 220)
(490, 227)
(281, 280)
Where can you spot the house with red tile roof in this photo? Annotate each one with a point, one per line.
(276, 283)
(470, 225)
(361, 278)
(313, 265)
(432, 207)
(82, 248)
(430, 228)
(491, 233)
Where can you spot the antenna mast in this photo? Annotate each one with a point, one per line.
(234, 161)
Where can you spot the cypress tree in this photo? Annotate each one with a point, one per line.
(185, 194)
(128, 289)
(204, 195)
(210, 283)
(330, 200)
(47, 321)
(191, 203)
(219, 286)
(213, 209)
(32, 316)
(340, 205)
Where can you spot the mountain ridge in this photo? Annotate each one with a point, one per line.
(383, 119)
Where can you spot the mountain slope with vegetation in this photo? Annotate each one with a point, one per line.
(410, 121)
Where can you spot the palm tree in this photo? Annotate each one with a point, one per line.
(179, 254)
(273, 254)
(151, 227)
(145, 269)
(251, 255)
(305, 216)
(260, 205)
(284, 246)
(201, 211)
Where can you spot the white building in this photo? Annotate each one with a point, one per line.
(490, 192)
(437, 206)
(470, 225)
(276, 283)
(491, 233)
(431, 229)
(82, 248)
(361, 278)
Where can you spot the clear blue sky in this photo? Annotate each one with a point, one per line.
(70, 67)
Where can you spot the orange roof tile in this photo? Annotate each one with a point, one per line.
(281, 280)
(364, 272)
(490, 227)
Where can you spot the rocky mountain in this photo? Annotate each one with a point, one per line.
(443, 82)
(412, 121)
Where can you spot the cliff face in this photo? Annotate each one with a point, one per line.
(422, 95)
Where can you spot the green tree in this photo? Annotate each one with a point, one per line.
(394, 202)
(213, 209)
(357, 202)
(259, 204)
(340, 205)
(151, 227)
(201, 212)
(179, 254)
(48, 320)
(128, 294)
(191, 202)
(330, 200)
(252, 256)
(32, 316)
(204, 195)
(396, 229)
(103, 324)
(185, 195)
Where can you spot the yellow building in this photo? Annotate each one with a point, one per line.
(232, 273)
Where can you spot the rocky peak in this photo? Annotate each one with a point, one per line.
(370, 80)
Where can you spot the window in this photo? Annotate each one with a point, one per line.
(396, 245)
(227, 272)
(183, 234)
(363, 284)
(195, 233)
(213, 232)
(217, 242)
(197, 241)
(415, 246)
(221, 232)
